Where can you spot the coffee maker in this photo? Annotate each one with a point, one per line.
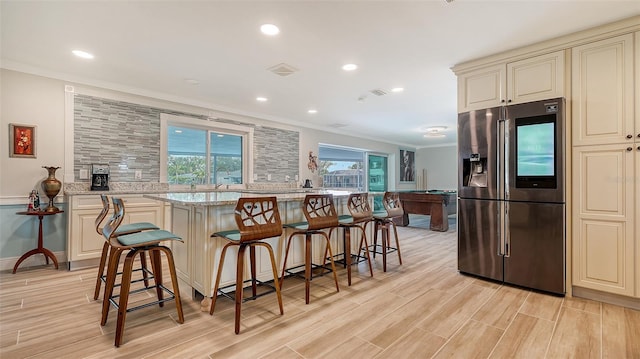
(99, 177)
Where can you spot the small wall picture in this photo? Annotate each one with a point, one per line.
(407, 166)
(22, 141)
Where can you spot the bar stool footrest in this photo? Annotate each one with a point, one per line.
(271, 289)
(171, 297)
(300, 274)
(355, 259)
(373, 249)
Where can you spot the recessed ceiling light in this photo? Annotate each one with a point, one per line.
(261, 99)
(349, 67)
(220, 135)
(269, 29)
(312, 111)
(397, 89)
(192, 81)
(178, 131)
(82, 54)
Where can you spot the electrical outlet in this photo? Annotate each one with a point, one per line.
(287, 178)
(297, 178)
(138, 174)
(269, 177)
(84, 174)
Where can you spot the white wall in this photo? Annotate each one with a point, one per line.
(30, 100)
(441, 165)
(40, 101)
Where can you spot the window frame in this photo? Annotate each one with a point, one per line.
(245, 132)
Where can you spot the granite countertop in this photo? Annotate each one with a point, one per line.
(80, 188)
(221, 198)
(84, 188)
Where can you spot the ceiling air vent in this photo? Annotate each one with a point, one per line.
(282, 69)
(378, 92)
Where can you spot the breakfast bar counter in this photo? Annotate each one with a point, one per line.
(195, 216)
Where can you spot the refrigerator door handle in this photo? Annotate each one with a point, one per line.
(500, 160)
(505, 230)
(505, 151)
(501, 234)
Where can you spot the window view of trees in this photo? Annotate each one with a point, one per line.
(186, 170)
(188, 162)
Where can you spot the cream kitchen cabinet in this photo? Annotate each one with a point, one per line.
(201, 252)
(84, 244)
(604, 237)
(536, 78)
(602, 92)
(197, 259)
(606, 165)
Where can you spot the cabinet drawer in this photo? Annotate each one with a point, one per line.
(93, 201)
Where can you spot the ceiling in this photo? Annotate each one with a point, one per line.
(160, 48)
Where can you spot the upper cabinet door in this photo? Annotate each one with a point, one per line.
(537, 78)
(602, 92)
(481, 88)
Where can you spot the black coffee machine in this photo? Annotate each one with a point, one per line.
(99, 177)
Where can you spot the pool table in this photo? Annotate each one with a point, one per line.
(436, 203)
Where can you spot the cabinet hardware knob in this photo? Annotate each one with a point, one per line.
(629, 136)
(502, 101)
(509, 101)
(629, 149)
(638, 148)
(638, 135)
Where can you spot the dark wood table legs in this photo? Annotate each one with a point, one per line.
(40, 249)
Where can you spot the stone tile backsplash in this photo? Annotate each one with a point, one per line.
(127, 137)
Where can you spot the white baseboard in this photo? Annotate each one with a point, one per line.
(33, 261)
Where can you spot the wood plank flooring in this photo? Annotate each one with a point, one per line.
(422, 309)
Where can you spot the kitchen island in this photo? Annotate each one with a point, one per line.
(195, 216)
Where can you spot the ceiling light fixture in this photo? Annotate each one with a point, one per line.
(397, 89)
(436, 128)
(82, 54)
(434, 135)
(435, 132)
(261, 99)
(269, 29)
(312, 111)
(192, 81)
(349, 67)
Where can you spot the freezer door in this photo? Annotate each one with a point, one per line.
(478, 238)
(535, 253)
(478, 154)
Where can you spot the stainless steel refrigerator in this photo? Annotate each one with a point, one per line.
(511, 195)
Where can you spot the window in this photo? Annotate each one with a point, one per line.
(203, 153)
(342, 168)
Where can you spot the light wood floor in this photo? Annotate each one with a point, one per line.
(421, 309)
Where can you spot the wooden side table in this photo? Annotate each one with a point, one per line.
(47, 253)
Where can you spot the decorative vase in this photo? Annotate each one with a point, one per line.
(51, 187)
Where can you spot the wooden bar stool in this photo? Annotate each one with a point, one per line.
(320, 214)
(121, 230)
(383, 220)
(360, 214)
(257, 219)
(147, 241)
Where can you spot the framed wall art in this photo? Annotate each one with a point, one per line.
(22, 141)
(407, 166)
